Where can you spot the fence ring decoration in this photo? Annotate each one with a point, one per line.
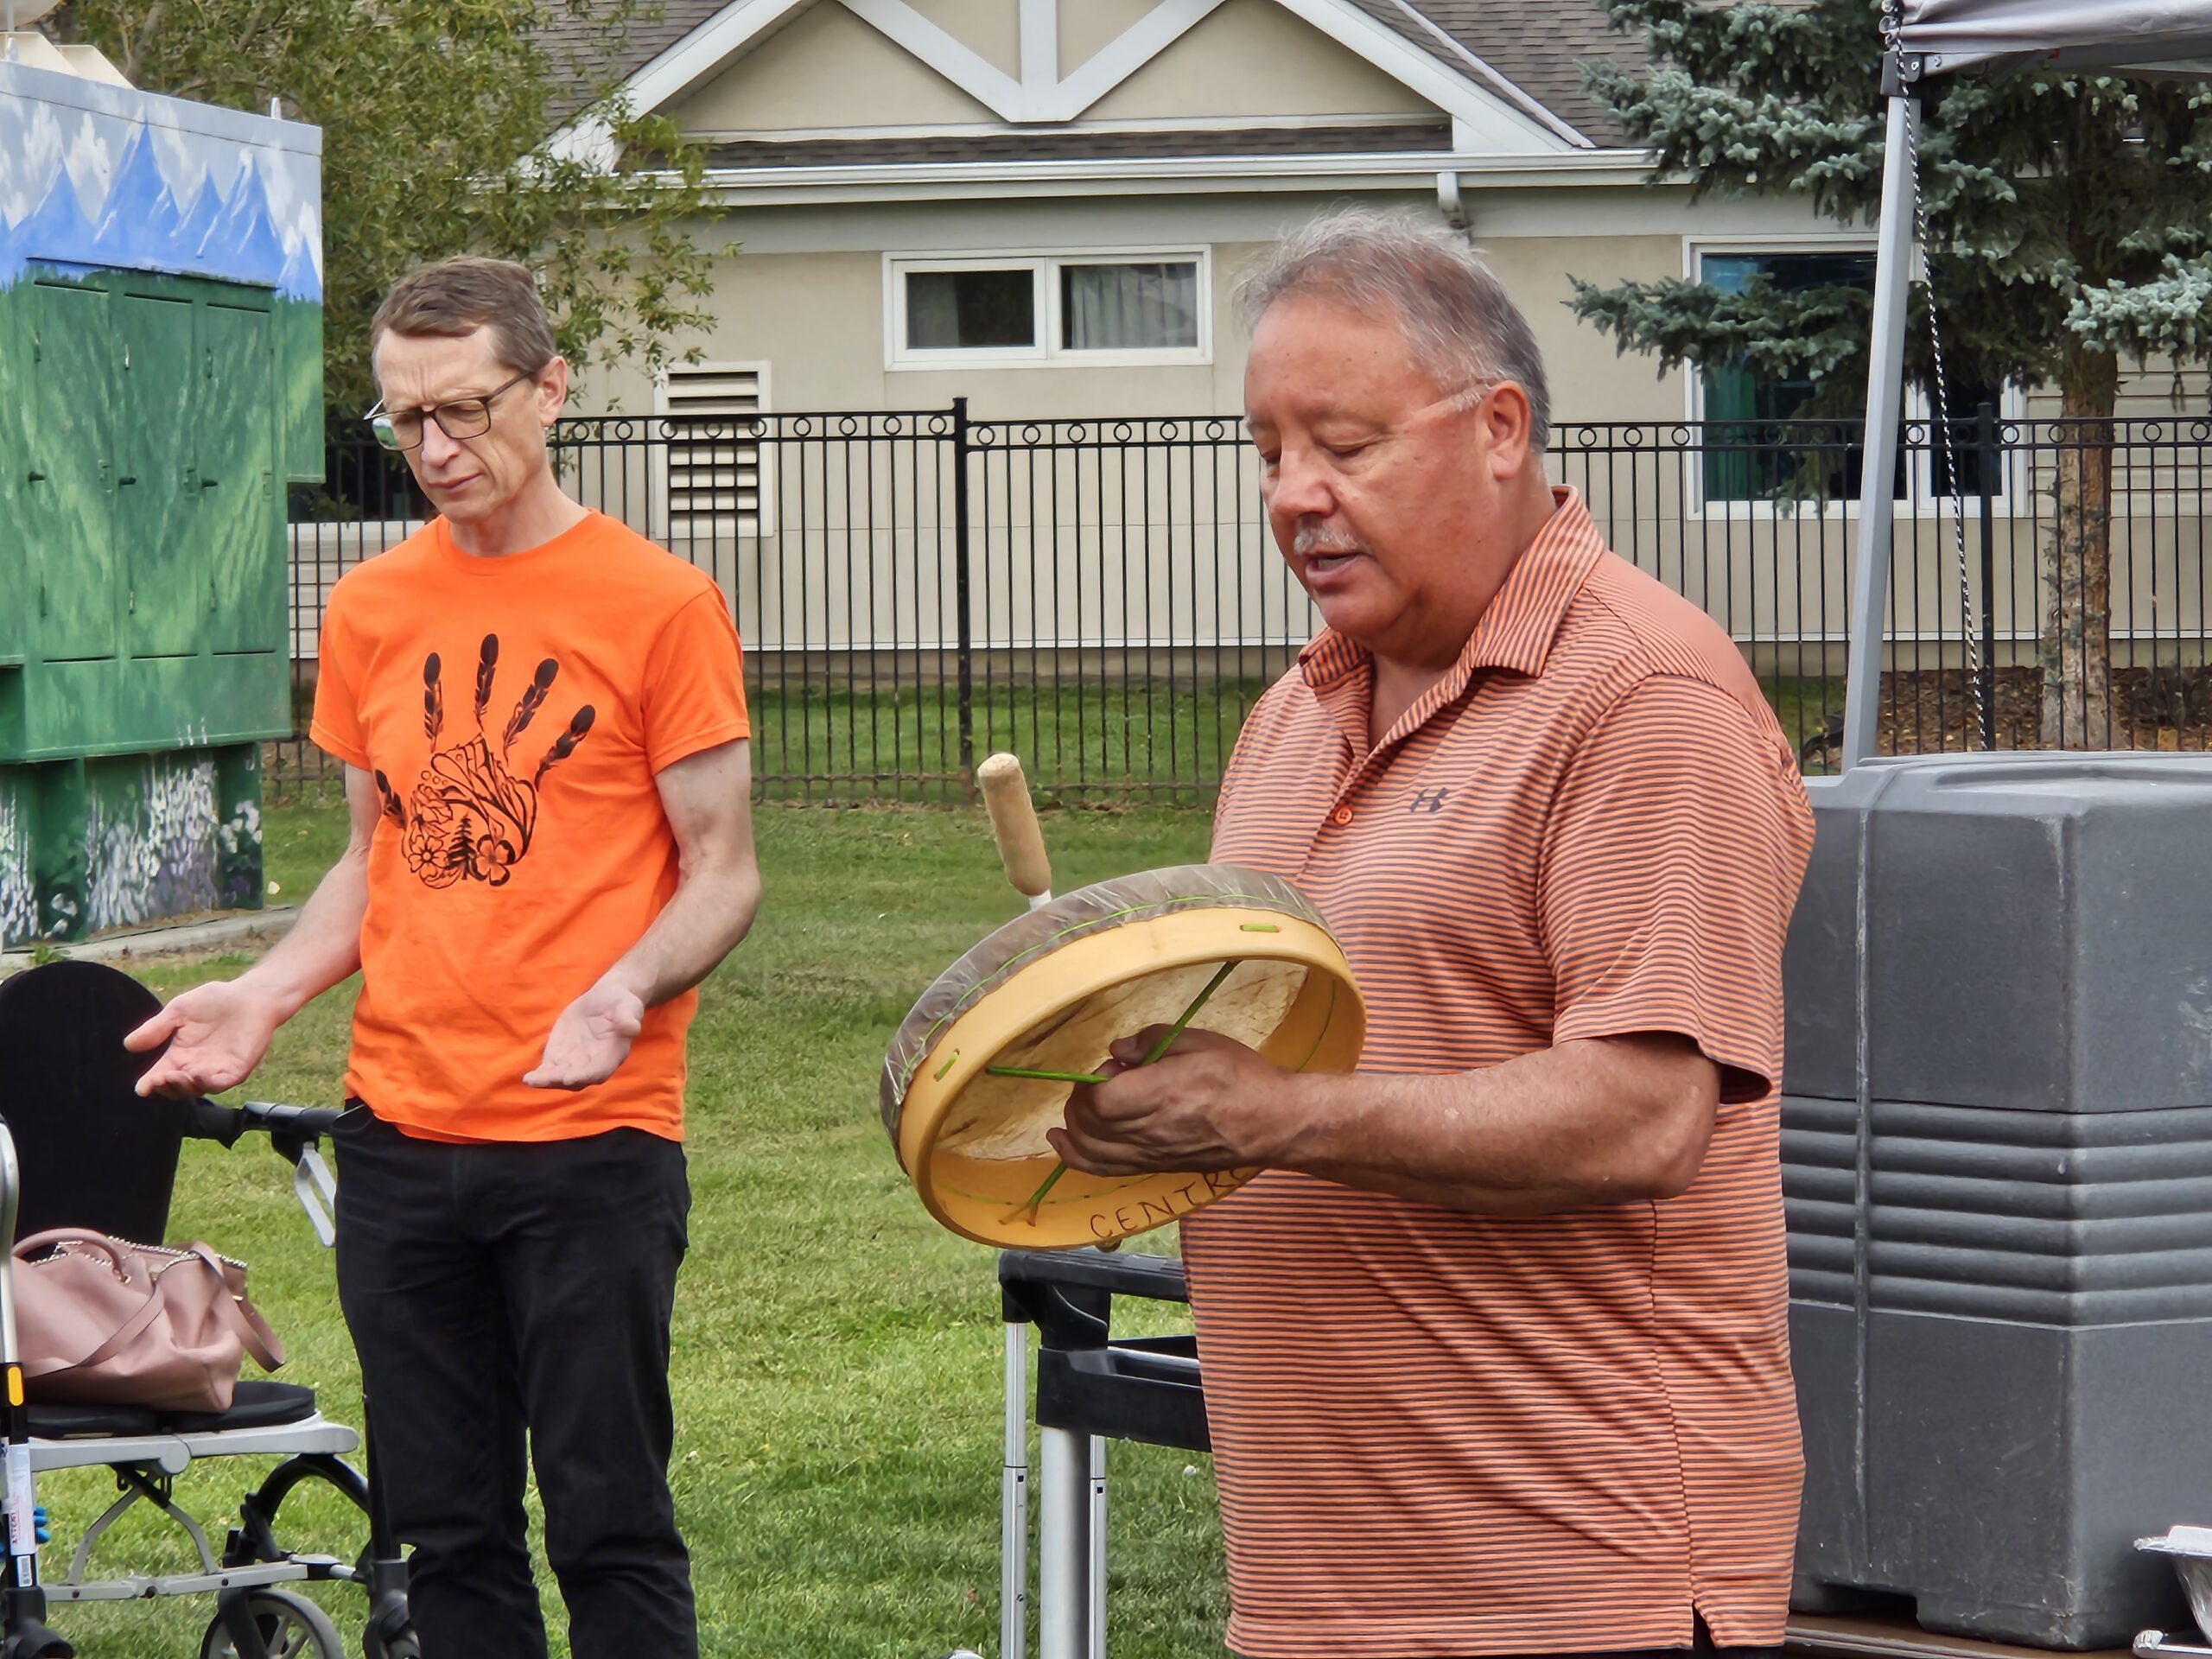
(802, 426)
(2200, 431)
(2154, 430)
(983, 435)
(1586, 437)
(1634, 437)
(1123, 432)
(1170, 431)
(847, 425)
(939, 426)
(1681, 436)
(1032, 434)
(1217, 430)
(1917, 432)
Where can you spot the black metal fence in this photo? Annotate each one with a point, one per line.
(916, 590)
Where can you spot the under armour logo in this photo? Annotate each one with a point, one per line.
(1428, 800)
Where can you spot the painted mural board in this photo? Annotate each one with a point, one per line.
(161, 345)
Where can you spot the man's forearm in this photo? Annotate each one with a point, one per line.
(710, 911)
(324, 946)
(1582, 1124)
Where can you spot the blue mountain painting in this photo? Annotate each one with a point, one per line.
(231, 236)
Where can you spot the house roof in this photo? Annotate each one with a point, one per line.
(1528, 53)
(1406, 137)
(571, 45)
(1538, 46)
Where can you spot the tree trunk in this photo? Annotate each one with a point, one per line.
(2074, 638)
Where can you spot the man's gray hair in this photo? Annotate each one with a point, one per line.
(1461, 324)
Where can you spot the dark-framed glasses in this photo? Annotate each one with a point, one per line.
(461, 417)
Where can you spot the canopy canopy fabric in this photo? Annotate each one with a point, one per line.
(2159, 37)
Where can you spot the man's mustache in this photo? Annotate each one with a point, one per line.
(1318, 535)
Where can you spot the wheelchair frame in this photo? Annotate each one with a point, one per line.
(145, 1465)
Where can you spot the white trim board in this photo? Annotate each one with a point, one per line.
(1171, 176)
(1485, 119)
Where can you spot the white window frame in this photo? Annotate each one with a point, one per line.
(763, 518)
(1927, 504)
(1044, 269)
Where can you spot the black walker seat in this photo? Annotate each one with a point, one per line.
(80, 1148)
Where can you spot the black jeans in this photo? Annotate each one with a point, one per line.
(498, 1289)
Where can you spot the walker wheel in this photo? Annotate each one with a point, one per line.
(290, 1626)
(401, 1646)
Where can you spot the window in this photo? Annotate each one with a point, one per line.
(1751, 456)
(714, 484)
(1051, 309)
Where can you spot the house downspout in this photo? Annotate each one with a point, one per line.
(1449, 205)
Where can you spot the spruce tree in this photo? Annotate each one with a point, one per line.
(2070, 226)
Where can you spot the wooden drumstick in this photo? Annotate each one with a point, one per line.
(1013, 826)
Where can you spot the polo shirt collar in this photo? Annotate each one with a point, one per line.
(1517, 629)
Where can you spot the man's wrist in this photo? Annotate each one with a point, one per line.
(282, 994)
(1286, 1122)
(627, 978)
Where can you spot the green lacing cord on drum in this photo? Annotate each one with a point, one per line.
(1037, 1199)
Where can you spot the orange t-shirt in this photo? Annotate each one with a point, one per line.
(514, 711)
(1440, 1432)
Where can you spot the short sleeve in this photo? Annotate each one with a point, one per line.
(1672, 860)
(694, 684)
(335, 727)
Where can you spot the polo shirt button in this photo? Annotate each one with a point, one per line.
(1341, 815)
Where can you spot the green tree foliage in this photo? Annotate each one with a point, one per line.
(439, 120)
(2069, 226)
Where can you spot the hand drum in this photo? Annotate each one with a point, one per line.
(982, 1067)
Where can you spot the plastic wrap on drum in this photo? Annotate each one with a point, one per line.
(1072, 917)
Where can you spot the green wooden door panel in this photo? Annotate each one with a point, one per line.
(157, 520)
(70, 483)
(236, 433)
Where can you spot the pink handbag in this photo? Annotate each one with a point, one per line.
(101, 1321)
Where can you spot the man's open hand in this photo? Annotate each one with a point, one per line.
(220, 1032)
(590, 1040)
(1209, 1102)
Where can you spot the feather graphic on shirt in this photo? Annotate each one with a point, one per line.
(392, 809)
(434, 699)
(565, 745)
(533, 698)
(487, 659)
(469, 819)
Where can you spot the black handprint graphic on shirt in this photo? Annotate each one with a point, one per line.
(470, 816)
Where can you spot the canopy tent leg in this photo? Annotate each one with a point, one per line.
(1870, 584)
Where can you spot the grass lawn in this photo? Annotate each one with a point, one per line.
(837, 1355)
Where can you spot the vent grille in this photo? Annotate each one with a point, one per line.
(715, 484)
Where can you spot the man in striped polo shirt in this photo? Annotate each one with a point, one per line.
(1496, 1352)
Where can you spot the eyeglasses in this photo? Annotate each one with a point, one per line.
(464, 417)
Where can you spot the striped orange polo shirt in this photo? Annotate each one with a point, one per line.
(1445, 1434)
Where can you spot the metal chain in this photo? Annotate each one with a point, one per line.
(1968, 617)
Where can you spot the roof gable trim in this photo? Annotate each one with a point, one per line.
(1485, 117)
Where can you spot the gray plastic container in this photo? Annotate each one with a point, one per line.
(1996, 1156)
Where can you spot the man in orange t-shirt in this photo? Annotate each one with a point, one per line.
(542, 723)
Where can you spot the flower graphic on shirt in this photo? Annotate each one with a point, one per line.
(472, 815)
